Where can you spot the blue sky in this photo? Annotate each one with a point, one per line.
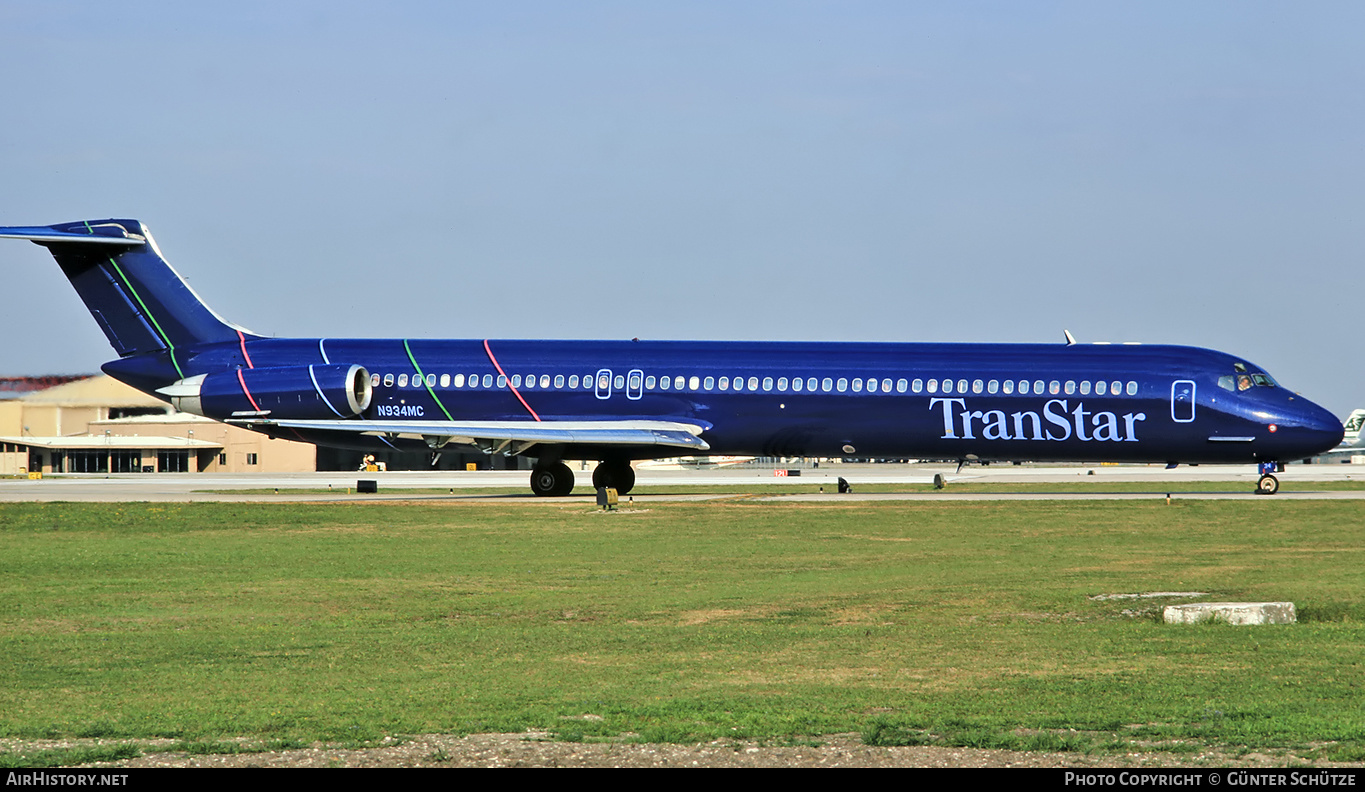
(1162, 172)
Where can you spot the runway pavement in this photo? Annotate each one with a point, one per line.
(1223, 483)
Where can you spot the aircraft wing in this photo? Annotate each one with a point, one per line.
(512, 437)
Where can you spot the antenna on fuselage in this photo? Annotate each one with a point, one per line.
(1070, 339)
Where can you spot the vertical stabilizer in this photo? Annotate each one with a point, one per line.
(140, 303)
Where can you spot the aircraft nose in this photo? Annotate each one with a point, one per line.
(1318, 428)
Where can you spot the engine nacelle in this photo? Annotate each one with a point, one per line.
(303, 392)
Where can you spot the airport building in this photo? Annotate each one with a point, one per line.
(96, 424)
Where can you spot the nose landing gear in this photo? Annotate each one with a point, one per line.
(1268, 484)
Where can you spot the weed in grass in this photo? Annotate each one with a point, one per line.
(212, 748)
(69, 757)
(1330, 612)
(1346, 753)
(882, 733)
(570, 735)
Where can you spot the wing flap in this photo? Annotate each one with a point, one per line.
(623, 433)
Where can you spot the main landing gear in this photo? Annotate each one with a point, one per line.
(1268, 484)
(556, 479)
(552, 479)
(618, 475)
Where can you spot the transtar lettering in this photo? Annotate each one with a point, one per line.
(1062, 423)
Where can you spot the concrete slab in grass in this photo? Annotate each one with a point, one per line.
(1232, 613)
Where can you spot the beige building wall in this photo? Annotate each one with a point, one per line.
(68, 409)
(238, 445)
(83, 407)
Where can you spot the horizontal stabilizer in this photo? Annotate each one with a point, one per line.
(102, 234)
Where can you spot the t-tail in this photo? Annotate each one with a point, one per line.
(143, 306)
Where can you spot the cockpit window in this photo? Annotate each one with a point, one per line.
(1246, 380)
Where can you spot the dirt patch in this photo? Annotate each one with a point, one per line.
(537, 749)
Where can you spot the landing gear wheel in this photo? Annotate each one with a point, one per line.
(619, 475)
(554, 479)
(1268, 485)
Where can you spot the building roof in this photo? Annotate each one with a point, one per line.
(18, 387)
(111, 442)
(159, 418)
(97, 391)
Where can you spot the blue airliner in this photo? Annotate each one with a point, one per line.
(617, 401)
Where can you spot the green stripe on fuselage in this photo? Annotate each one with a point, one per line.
(423, 377)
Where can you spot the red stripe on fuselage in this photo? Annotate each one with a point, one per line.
(249, 397)
(508, 380)
(244, 353)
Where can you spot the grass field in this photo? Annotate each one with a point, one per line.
(955, 623)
